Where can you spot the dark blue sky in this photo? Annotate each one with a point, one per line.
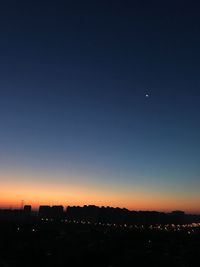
(73, 79)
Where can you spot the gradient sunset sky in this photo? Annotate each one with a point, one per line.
(100, 103)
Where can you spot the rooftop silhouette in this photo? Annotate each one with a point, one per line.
(95, 214)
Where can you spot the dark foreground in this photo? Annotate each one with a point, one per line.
(70, 244)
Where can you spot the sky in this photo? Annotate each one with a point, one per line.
(100, 104)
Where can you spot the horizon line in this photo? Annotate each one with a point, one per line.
(36, 208)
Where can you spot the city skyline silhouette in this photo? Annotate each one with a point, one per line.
(99, 104)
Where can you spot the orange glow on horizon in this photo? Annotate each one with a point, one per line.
(35, 192)
(12, 196)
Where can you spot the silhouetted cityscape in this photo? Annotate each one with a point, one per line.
(97, 236)
(94, 214)
(99, 104)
